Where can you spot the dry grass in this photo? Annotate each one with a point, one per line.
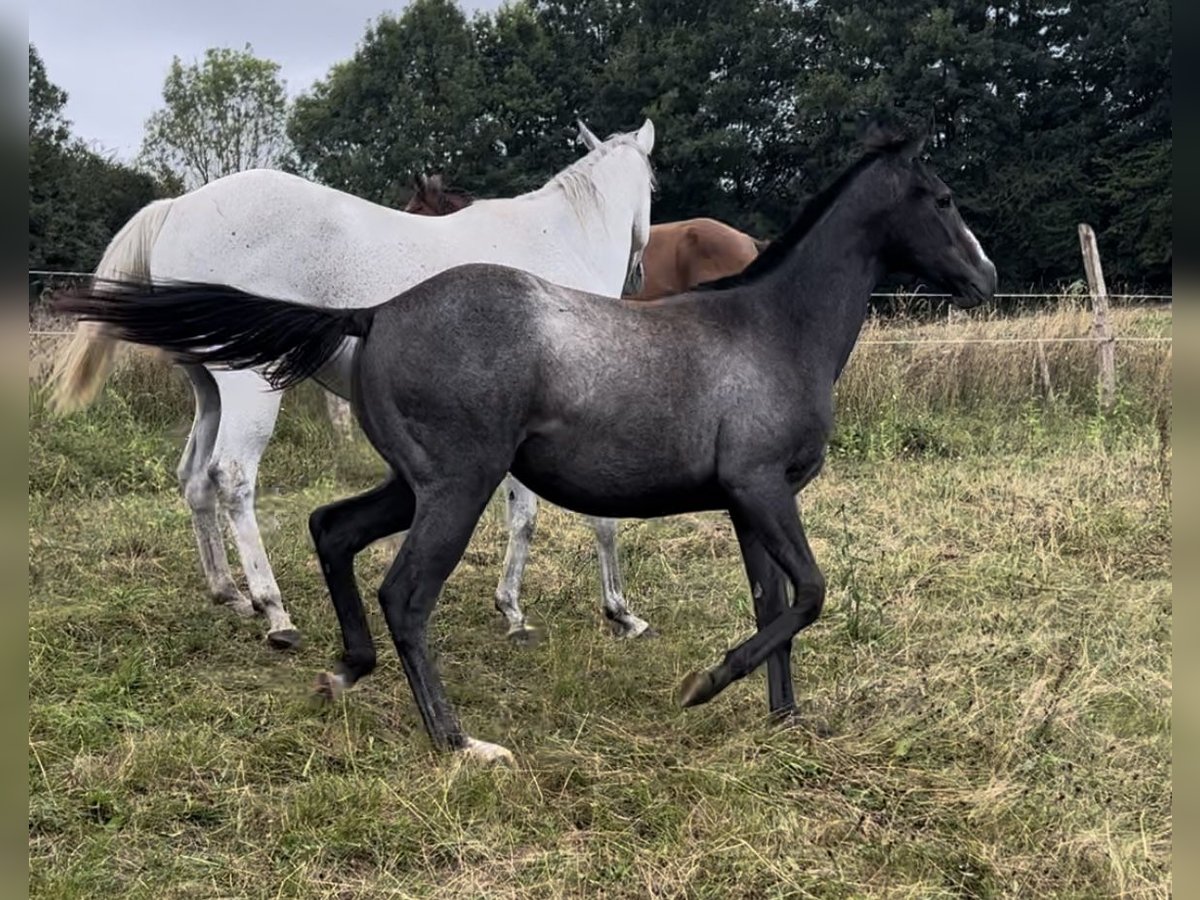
(993, 672)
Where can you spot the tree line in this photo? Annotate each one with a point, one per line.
(1041, 114)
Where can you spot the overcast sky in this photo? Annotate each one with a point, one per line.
(111, 56)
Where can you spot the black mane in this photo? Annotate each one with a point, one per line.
(878, 141)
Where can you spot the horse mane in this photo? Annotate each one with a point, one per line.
(574, 180)
(878, 141)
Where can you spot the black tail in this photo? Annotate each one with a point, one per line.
(214, 323)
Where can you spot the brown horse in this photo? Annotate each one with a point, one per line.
(678, 256)
(432, 198)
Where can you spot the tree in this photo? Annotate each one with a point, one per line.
(410, 100)
(1041, 113)
(47, 126)
(223, 115)
(78, 198)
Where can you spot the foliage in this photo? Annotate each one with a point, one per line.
(222, 115)
(1042, 113)
(78, 198)
(412, 98)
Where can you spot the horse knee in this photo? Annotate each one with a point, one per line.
(233, 484)
(198, 491)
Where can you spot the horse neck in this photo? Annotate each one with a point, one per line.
(820, 293)
(601, 222)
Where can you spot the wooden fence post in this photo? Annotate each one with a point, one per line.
(1100, 329)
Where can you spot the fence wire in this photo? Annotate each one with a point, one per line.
(879, 295)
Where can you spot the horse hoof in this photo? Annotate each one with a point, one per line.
(697, 688)
(328, 686)
(284, 639)
(524, 636)
(637, 628)
(789, 719)
(492, 754)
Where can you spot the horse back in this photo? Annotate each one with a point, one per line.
(710, 250)
(681, 255)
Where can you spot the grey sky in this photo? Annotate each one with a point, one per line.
(111, 56)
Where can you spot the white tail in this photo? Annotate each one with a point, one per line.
(84, 364)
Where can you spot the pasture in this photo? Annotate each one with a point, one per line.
(986, 699)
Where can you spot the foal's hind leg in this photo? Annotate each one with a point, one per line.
(445, 517)
(340, 531)
(201, 494)
(248, 411)
(612, 594)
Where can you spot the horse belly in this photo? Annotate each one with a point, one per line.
(603, 477)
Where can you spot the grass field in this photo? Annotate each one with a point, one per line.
(986, 699)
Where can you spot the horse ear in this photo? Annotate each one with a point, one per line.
(589, 140)
(645, 137)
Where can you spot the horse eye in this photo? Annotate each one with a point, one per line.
(944, 201)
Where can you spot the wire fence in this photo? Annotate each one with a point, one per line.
(896, 304)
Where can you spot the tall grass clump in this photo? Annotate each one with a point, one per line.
(958, 386)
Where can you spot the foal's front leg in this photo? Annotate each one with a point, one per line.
(768, 508)
(768, 588)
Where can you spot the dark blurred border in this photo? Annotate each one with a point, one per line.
(14, 401)
(1185, 479)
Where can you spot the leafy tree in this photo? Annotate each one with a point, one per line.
(1041, 113)
(410, 100)
(225, 114)
(47, 126)
(77, 198)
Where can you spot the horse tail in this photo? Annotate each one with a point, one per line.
(85, 363)
(196, 322)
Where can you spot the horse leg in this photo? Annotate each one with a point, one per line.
(521, 506)
(612, 594)
(340, 531)
(768, 587)
(249, 408)
(341, 416)
(441, 529)
(770, 512)
(200, 493)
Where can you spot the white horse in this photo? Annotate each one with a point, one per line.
(275, 234)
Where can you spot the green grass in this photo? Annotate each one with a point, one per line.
(986, 698)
